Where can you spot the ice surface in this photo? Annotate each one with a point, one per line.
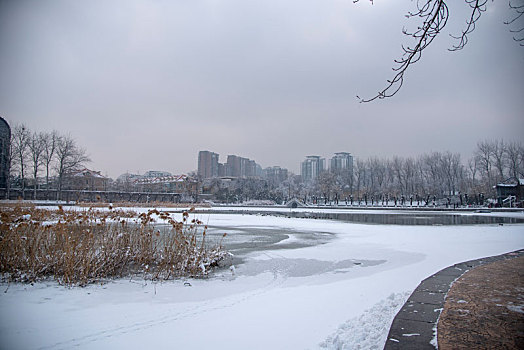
(319, 289)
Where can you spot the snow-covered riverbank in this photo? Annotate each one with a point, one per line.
(322, 283)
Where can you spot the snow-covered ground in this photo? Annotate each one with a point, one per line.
(319, 284)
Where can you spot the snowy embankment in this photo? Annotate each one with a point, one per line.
(342, 293)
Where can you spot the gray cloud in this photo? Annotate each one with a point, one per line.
(147, 84)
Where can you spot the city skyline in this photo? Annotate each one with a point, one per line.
(146, 85)
(209, 166)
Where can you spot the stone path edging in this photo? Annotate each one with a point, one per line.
(413, 326)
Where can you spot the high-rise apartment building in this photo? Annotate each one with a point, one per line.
(311, 168)
(207, 164)
(209, 167)
(342, 163)
(275, 175)
(241, 167)
(234, 166)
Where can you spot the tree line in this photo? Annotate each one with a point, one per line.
(422, 179)
(52, 153)
(435, 174)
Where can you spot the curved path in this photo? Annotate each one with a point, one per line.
(415, 325)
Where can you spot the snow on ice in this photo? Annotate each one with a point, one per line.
(324, 284)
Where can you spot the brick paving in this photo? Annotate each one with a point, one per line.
(484, 309)
(477, 304)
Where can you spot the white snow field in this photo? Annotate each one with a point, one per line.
(321, 284)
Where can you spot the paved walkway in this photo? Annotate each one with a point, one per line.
(483, 309)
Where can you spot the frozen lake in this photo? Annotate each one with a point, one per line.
(244, 239)
(406, 216)
(298, 283)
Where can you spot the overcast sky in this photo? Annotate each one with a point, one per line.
(145, 85)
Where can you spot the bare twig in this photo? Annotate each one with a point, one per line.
(477, 6)
(519, 9)
(434, 15)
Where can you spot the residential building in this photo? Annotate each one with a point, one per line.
(311, 168)
(85, 180)
(235, 166)
(275, 175)
(208, 164)
(126, 182)
(156, 173)
(171, 183)
(342, 163)
(241, 167)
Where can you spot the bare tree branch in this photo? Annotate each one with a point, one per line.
(20, 143)
(477, 6)
(434, 15)
(519, 9)
(50, 141)
(36, 149)
(69, 157)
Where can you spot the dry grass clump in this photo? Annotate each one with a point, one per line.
(16, 204)
(78, 248)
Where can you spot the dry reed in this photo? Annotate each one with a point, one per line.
(77, 248)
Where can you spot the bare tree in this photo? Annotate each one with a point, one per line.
(451, 168)
(515, 158)
(409, 173)
(378, 174)
(433, 16)
(20, 144)
(9, 161)
(69, 157)
(398, 171)
(484, 155)
(327, 185)
(433, 174)
(50, 141)
(360, 176)
(36, 150)
(499, 158)
(473, 167)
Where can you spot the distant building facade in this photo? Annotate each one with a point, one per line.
(208, 165)
(275, 175)
(241, 167)
(126, 182)
(5, 143)
(85, 180)
(157, 173)
(235, 166)
(171, 183)
(342, 163)
(312, 167)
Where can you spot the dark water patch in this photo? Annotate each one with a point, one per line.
(396, 218)
(410, 218)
